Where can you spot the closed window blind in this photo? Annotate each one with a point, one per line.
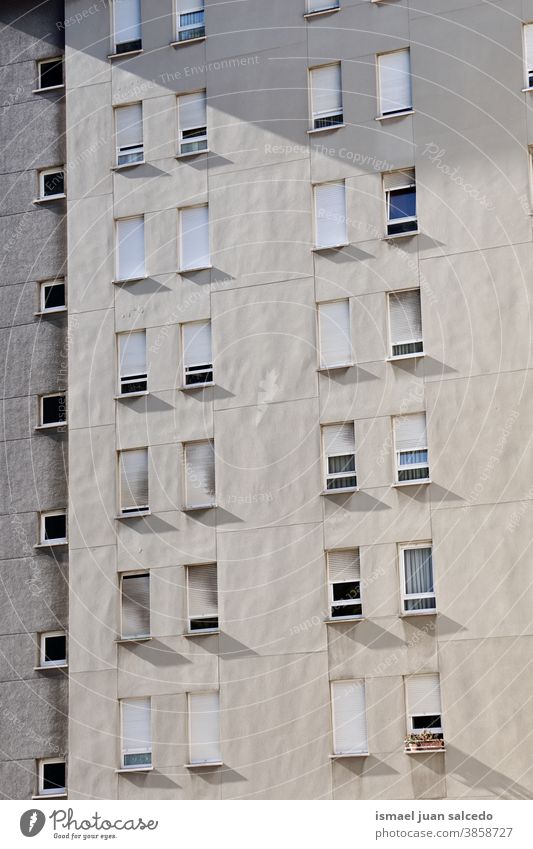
(423, 695)
(136, 732)
(326, 90)
(129, 122)
(202, 589)
(399, 179)
(528, 48)
(130, 248)
(195, 237)
(134, 480)
(349, 717)
(339, 439)
(405, 320)
(192, 111)
(395, 82)
(344, 565)
(200, 473)
(204, 728)
(135, 606)
(410, 432)
(197, 344)
(335, 336)
(132, 352)
(330, 215)
(127, 20)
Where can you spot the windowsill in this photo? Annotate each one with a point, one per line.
(51, 666)
(125, 54)
(51, 544)
(51, 312)
(206, 633)
(131, 395)
(192, 153)
(204, 765)
(50, 796)
(194, 386)
(50, 198)
(341, 367)
(400, 235)
(340, 491)
(128, 165)
(421, 482)
(341, 619)
(48, 88)
(133, 769)
(320, 12)
(187, 41)
(529, 88)
(318, 248)
(325, 129)
(349, 755)
(196, 507)
(121, 640)
(129, 280)
(394, 115)
(136, 515)
(416, 356)
(408, 613)
(55, 426)
(194, 268)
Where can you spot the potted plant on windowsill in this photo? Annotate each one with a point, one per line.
(424, 742)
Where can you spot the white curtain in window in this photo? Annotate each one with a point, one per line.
(204, 727)
(395, 82)
(344, 565)
(326, 89)
(405, 317)
(136, 726)
(192, 111)
(335, 336)
(197, 343)
(132, 352)
(330, 215)
(339, 439)
(418, 571)
(202, 587)
(349, 717)
(127, 20)
(130, 248)
(129, 125)
(134, 479)
(135, 605)
(423, 695)
(410, 432)
(200, 473)
(195, 237)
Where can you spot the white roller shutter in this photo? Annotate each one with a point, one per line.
(204, 728)
(129, 125)
(349, 717)
(410, 432)
(528, 47)
(339, 439)
(335, 336)
(200, 473)
(134, 479)
(127, 20)
(192, 111)
(344, 565)
(135, 605)
(326, 90)
(132, 350)
(405, 317)
(195, 237)
(130, 248)
(330, 214)
(202, 590)
(423, 695)
(197, 344)
(136, 726)
(395, 82)
(399, 179)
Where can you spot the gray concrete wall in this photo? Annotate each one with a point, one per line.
(33, 582)
(274, 658)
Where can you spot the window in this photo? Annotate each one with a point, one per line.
(132, 362)
(194, 241)
(339, 452)
(136, 733)
(134, 481)
(314, 7)
(405, 318)
(53, 527)
(400, 199)
(197, 355)
(135, 592)
(52, 296)
(53, 649)
(423, 705)
(200, 474)
(129, 130)
(192, 118)
(190, 19)
(418, 591)
(349, 718)
(334, 334)
(411, 448)
(130, 248)
(204, 728)
(53, 410)
(128, 35)
(326, 96)
(330, 215)
(528, 54)
(202, 597)
(395, 83)
(50, 73)
(344, 576)
(52, 777)
(51, 184)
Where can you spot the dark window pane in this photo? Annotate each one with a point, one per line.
(408, 348)
(199, 374)
(402, 203)
(54, 296)
(204, 624)
(341, 483)
(413, 474)
(55, 527)
(51, 73)
(421, 722)
(54, 409)
(140, 759)
(408, 457)
(134, 384)
(126, 46)
(53, 184)
(419, 604)
(328, 121)
(341, 464)
(55, 648)
(54, 777)
(346, 610)
(347, 591)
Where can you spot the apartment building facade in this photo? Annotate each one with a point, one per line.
(33, 534)
(299, 251)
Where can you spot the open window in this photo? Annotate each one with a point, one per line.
(132, 363)
(51, 184)
(190, 20)
(418, 587)
(53, 410)
(394, 71)
(202, 598)
(136, 733)
(127, 25)
(53, 527)
(348, 704)
(344, 581)
(130, 252)
(424, 713)
(133, 465)
(53, 649)
(52, 777)
(335, 334)
(330, 215)
(129, 130)
(326, 96)
(50, 73)
(192, 118)
(400, 202)
(204, 729)
(135, 597)
(405, 320)
(411, 446)
(197, 353)
(339, 457)
(52, 296)
(199, 475)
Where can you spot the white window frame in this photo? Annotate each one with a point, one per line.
(202, 137)
(129, 150)
(43, 284)
(48, 61)
(199, 631)
(343, 222)
(337, 475)
(392, 222)
(42, 536)
(409, 466)
(414, 354)
(42, 650)
(118, 277)
(58, 791)
(131, 511)
(140, 573)
(195, 8)
(407, 109)
(41, 410)
(319, 116)
(59, 169)
(402, 548)
(185, 269)
(135, 767)
(208, 370)
(126, 380)
(347, 603)
(336, 752)
(190, 695)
